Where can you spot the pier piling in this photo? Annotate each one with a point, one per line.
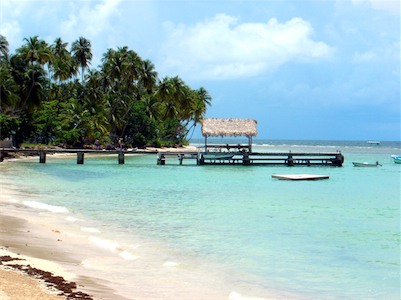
(121, 158)
(42, 157)
(80, 158)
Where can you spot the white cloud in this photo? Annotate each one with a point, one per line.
(365, 57)
(10, 26)
(90, 20)
(392, 6)
(220, 48)
(12, 32)
(389, 54)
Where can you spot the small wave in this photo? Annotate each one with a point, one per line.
(236, 296)
(127, 255)
(104, 243)
(170, 264)
(71, 219)
(43, 206)
(88, 229)
(13, 200)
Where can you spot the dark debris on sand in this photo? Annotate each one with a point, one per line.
(57, 282)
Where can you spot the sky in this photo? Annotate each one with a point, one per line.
(316, 70)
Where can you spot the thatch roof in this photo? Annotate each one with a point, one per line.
(229, 127)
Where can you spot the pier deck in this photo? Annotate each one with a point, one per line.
(80, 153)
(255, 158)
(204, 158)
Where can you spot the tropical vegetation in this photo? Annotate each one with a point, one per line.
(52, 95)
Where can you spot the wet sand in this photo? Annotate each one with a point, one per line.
(32, 250)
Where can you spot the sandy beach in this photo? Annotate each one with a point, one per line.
(28, 251)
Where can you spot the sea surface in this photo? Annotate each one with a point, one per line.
(227, 232)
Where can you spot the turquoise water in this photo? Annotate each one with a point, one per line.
(231, 229)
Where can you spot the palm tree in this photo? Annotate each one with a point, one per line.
(34, 51)
(8, 89)
(199, 109)
(81, 50)
(3, 45)
(148, 76)
(62, 61)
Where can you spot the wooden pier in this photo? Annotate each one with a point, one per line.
(255, 158)
(202, 158)
(120, 153)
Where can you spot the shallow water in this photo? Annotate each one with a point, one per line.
(228, 231)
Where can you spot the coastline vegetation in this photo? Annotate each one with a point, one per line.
(50, 95)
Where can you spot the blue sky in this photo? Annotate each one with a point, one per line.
(303, 69)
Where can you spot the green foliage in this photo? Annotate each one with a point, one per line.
(123, 99)
(8, 125)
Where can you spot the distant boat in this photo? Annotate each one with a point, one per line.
(218, 155)
(365, 164)
(374, 143)
(396, 159)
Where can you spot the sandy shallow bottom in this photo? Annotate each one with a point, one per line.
(44, 246)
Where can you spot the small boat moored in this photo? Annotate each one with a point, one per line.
(365, 164)
(396, 159)
(218, 155)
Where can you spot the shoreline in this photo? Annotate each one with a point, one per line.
(34, 253)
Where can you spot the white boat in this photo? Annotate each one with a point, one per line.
(396, 159)
(365, 164)
(373, 142)
(218, 155)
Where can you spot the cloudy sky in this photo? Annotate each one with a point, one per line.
(303, 69)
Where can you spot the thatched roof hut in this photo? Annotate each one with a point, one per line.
(229, 127)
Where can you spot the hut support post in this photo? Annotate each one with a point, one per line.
(80, 158)
(250, 143)
(205, 143)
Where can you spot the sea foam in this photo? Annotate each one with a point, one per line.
(104, 243)
(170, 264)
(128, 256)
(43, 206)
(236, 296)
(88, 229)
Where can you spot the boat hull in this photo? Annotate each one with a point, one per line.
(356, 164)
(396, 159)
(218, 156)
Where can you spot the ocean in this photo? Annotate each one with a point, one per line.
(226, 232)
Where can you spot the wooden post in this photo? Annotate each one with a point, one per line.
(121, 158)
(290, 160)
(250, 143)
(42, 157)
(205, 143)
(80, 158)
(245, 159)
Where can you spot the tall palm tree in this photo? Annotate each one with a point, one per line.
(81, 50)
(3, 45)
(148, 76)
(34, 51)
(62, 61)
